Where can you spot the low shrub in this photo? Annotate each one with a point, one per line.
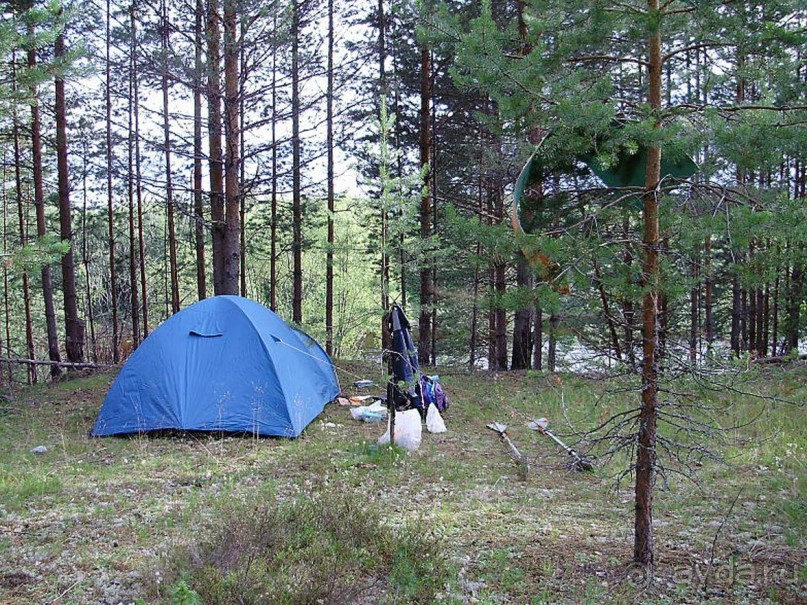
(321, 550)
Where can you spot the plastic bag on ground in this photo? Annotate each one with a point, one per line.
(434, 421)
(408, 430)
(369, 413)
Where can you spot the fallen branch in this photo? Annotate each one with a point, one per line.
(61, 364)
(780, 359)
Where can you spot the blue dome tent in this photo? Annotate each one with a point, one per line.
(223, 364)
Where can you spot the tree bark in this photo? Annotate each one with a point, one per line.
(330, 189)
(54, 354)
(736, 310)
(501, 317)
(232, 158)
(133, 264)
(628, 310)
(752, 316)
(426, 281)
(6, 296)
(113, 277)
(522, 323)
(764, 306)
(141, 238)
(694, 309)
(74, 329)
(796, 291)
(273, 228)
(384, 261)
(774, 342)
(85, 261)
(606, 311)
(538, 338)
(26, 285)
(296, 202)
(216, 161)
(796, 295)
(169, 178)
(242, 201)
(708, 294)
(552, 347)
(198, 203)
(644, 547)
(474, 340)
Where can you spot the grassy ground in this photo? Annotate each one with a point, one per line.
(100, 520)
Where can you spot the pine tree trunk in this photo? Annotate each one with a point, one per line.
(85, 261)
(628, 311)
(141, 239)
(242, 204)
(426, 282)
(6, 297)
(198, 201)
(26, 284)
(500, 286)
(552, 347)
(643, 546)
(54, 354)
(399, 172)
(133, 264)
(538, 338)
(493, 305)
(296, 202)
(606, 312)
(113, 277)
(330, 189)
(434, 170)
(522, 323)
(736, 310)
(751, 316)
(216, 161)
(708, 294)
(744, 342)
(273, 211)
(694, 309)
(169, 182)
(796, 291)
(765, 305)
(796, 296)
(774, 342)
(384, 228)
(74, 329)
(232, 158)
(474, 338)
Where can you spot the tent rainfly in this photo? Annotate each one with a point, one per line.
(223, 364)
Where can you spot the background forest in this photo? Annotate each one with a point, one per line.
(325, 159)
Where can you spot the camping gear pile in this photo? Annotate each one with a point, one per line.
(411, 396)
(375, 412)
(228, 364)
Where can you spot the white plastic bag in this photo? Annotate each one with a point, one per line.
(434, 421)
(408, 430)
(369, 413)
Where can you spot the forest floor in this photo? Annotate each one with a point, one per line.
(93, 520)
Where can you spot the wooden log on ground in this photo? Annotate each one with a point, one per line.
(47, 362)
